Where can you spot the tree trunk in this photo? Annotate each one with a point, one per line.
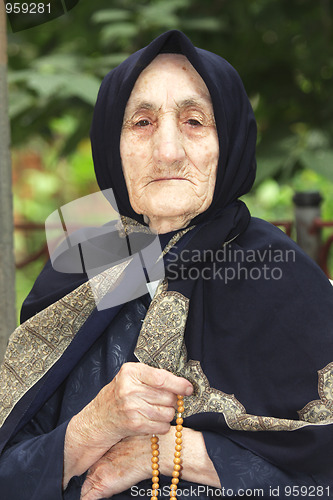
(7, 266)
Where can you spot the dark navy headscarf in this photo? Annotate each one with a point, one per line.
(235, 122)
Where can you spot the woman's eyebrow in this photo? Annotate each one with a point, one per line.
(144, 105)
(195, 101)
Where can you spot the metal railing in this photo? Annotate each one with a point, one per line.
(308, 223)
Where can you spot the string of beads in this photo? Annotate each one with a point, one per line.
(177, 455)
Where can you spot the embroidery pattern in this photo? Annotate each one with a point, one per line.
(129, 226)
(161, 336)
(175, 239)
(321, 409)
(36, 345)
(161, 344)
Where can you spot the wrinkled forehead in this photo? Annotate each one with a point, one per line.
(159, 79)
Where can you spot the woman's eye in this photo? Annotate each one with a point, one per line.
(193, 122)
(142, 123)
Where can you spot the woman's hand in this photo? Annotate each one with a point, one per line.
(126, 464)
(129, 462)
(139, 400)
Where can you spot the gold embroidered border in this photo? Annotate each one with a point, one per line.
(161, 344)
(161, 336)
(36, 345)
(321, 409)
(129, 226)
(175, 239)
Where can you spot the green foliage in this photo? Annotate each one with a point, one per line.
(24, 280)
(57, 68)
(283, 51)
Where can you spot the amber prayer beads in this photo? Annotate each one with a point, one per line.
(176, 461)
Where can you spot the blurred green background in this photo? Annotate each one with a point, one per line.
(282, 49)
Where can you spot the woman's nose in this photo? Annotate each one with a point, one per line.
(168, 145)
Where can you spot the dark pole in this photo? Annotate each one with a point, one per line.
(7, 265)
(307, 210)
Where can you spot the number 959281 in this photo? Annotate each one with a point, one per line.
(28, 8)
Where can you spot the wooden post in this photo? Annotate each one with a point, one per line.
(7, 265)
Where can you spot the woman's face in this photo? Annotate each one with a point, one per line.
(169, 145)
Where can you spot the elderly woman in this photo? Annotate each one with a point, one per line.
(239, 330)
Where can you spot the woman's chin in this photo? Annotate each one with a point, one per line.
(169, 212)
(170, 206)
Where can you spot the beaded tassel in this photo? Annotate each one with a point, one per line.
(177, 455)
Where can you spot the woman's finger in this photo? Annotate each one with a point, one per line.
(159, 397)
(157, 378)
(88, 491)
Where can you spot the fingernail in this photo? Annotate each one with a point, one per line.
(189, 391)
